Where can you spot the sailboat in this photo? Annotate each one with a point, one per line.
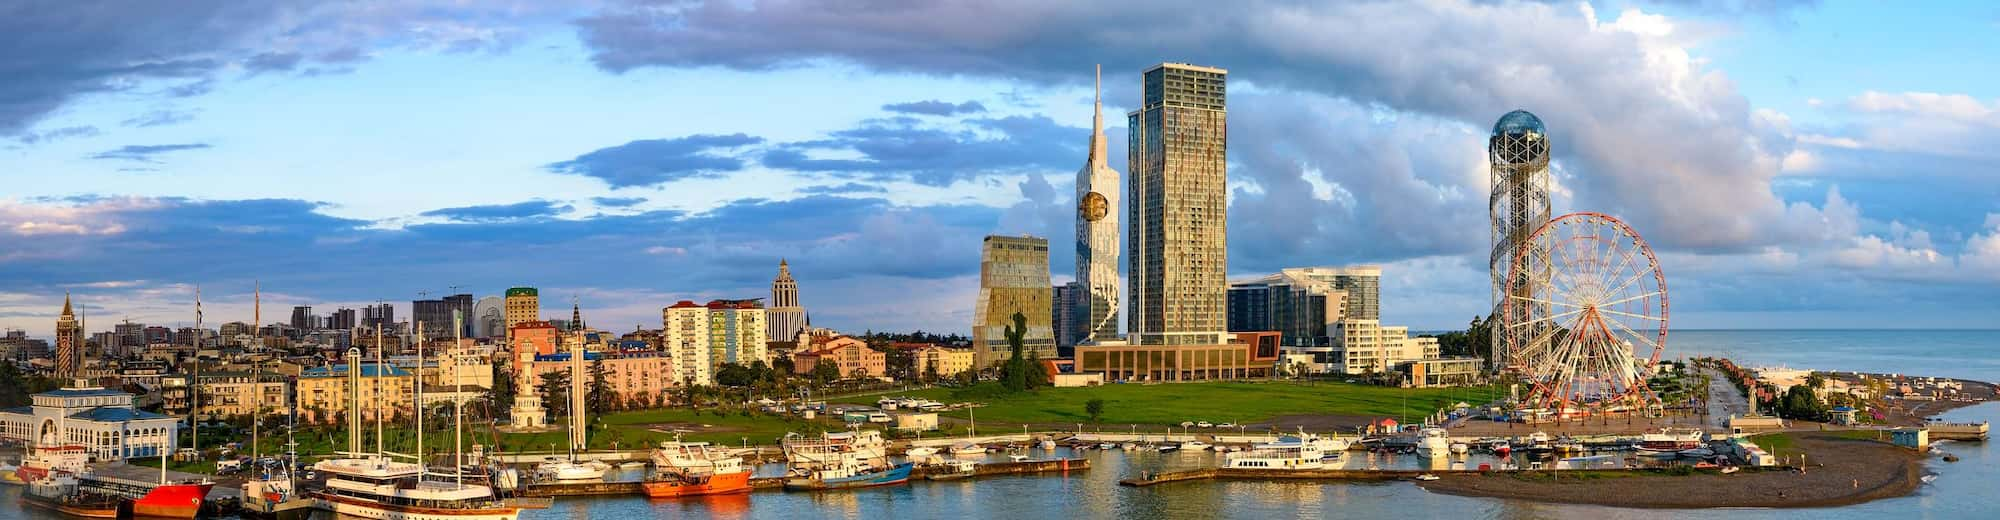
(371, 485)
(572, 469)
(271, 491)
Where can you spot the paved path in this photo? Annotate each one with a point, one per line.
(1723, 400)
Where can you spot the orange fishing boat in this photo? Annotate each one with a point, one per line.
(697, 485)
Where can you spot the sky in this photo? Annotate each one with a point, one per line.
(1793, 164)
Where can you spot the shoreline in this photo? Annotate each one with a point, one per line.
(1841, 472)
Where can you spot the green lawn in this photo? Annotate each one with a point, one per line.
(1170, 404)
(1776, 444)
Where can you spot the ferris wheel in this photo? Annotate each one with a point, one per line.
(1586, 315)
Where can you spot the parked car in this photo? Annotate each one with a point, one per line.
(1204, 424)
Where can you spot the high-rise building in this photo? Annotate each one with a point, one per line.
(1306, 303)
(786, 316)
(1065, 315)
(130, 335)
(687, 338)
(1178, 255)
(69, 345)
(303, 319)
(459, 305)
(728, 331)
(1013, 278)
(1518, 205)
(523, 304)
(341, 319)
(1097, 196)
(378, 317)
(435, 315)
(489, 317)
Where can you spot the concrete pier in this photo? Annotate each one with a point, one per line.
(1307, 474)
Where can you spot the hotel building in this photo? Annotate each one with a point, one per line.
(1013, 279)
(1177, 217)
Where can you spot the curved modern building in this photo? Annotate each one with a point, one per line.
(1097, 193)
(1518, 205)
(489, 317)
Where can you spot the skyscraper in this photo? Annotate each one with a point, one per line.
(69, 345)
(1178, 258)
(524, 304)
(1064, 316)
(378, 317)
(303, 318)
(1518, 205)
(1306, 303)
(1097, 194)
(786, 316)
(1013, 278)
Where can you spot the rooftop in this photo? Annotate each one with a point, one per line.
(115, 414)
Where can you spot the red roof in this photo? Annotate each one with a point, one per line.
(683, 304)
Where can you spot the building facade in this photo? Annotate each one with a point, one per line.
(851, 356)
(1013, 278)
(323, 392)
(1177, 218)
(1306, 304)
(523, 304)
(103, 421)
(634, 376)
(737, 332)
(1367, 346)
(489, 317)
(1247, 355)
(686, 334)
(786, 316)
(1095, 307)
(931, 358)
(69, 345)
(378, 317)
(1064, 316)
(236, 394)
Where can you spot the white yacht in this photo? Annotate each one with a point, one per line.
(1432, 442)
(1305, 451)
(558, 469)
(831, 448)
(378, 488)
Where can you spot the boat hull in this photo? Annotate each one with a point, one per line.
(101, 507)
(172, 501)
(897, 474)
(720, 484)
(379, 511)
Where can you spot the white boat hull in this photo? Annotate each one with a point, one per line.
(380, 513)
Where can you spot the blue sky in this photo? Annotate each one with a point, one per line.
(1796, 164)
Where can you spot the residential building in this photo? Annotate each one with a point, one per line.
(235, 394)
(732, 331)
(535, 336)
(1063, 315)
(341, 319)
(323, 392)
(1439, 372)
(1177, 218)
(1093, 303)
(1367, 346)
(1306, 304)
(1013, 279)
(103, 421)
(303, 319)
(523, 304)
(786, 316)
(635, 376)
(1247, 355)
(852, 356)
(931, 358)
(378, 317)
(687, 334)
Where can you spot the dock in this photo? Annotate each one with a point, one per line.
(1026, 467)
(1306, 474)
(1957, 431)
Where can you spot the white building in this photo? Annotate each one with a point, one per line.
(99, 419)
(1365, 346)
(686, 334)
(786, 317)
(723, 331)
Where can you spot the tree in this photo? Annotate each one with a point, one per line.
(1800, 402)
(555, 392)
(502, 393)
(735, 375)
(600, 397)
(1094, 408)
(825, 371)
(782, 368)
(1014, 377)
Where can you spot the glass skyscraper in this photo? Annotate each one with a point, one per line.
(1177, 255)
(1013, 278)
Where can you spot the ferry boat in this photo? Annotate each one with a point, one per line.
(850, 474)
(1670, 440)
(1433, 442)
(684, 469)
(1305, 451)
(832, 448)
(376, 488)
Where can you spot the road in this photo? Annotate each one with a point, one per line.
(1723, 400)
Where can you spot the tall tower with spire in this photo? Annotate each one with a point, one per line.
(785, 317)
(69, 344)
(1097, 190)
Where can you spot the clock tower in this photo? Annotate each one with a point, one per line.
(1097, 241)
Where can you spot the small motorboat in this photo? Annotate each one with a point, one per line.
(954, 470)
(1128, 446)
(1732, 469)
(967, 448)
(922, 451)
(1194, 446)
(1048, 445)
(1460, 448)
(1929, 478)
(1163, 448)
(1017, 457)
(1106, 446)
(1426, 477)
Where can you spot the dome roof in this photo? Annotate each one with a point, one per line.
(1519, 122)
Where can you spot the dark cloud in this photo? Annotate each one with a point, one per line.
(851, 187)
(59, 134)
(617, 202)
(159, 118)
(145, 152)
(272, 62)
(935, 108)
(501, 212)
(939, 154)
(658, 161)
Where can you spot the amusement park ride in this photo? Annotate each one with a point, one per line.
(1580, 304)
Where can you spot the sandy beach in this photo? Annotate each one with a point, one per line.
(1840, 471)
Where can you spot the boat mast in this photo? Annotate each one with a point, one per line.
(457, 401)
(421, 465)
(381, 399)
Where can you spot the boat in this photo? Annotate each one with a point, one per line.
(967, 449)
(1047, 445)
(921, 451)
(1697, 453)
(558, 469)
(695, 469)
(954, 470)
(1568, 446)
(1433, 442)
(1926, 478)
(271, 492)
(1127, 446)
(1017, 457)
(1500, 448)
(1194, 446)
(1426, 477)
(1304, 451)
(850, 474)
(1163, 448)
(373, 486)
(1106, 446)
(1732, 469)
(831, 448)
(1460, 448)
(631, 465)
(60, 492)
(1670, 440)
(1538, 440)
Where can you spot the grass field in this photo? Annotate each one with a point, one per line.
(1170, 404)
